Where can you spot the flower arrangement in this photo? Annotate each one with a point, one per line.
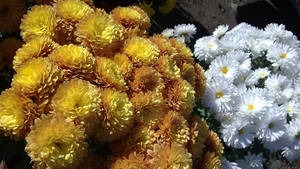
(85, 77)
(253, 79)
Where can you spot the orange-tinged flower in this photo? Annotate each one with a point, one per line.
(168, 68)
(100, 33)
(11, 12)
(164, 45)
(80, 101)
(74, 60)
(214, 144)
(209, 161)
(39, 21)
(141, 51)
(118, 116)
(181, 96)
(184, 54)
(37, 47)
(200, 81)
(133, 18)
(16, 114)
(108, 73)
(147, 79)
(124, 64)
(188, 73)
(199, 132)
(8, 48)
(55, 142)
(69, 13)
(132, 161)
(173, 128)
(170, 156)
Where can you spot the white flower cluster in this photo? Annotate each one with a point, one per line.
(183, 32)
(254, 85)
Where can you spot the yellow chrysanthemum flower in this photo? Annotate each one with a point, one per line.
(147, 79)
(125, 65)
(148, 107)
(147, 8)
(37, 78)
(133, 18)
(16, 114)
(8, 48)
(109, 74)
(74, 60)
(168, 68)
(11, 12)
(55, 142)
(188, 73)
(209, 161)
(39, 21)
(80, 101)
(170, 156)
(119, 116)
(200, 81)
(173, 128)
(132, 161)
(214, 144)
(184, 54)
(167, 7)
(181, 96)
(100, 33)
(69, 13)
(48, 2)
(199, 132)
(141, 51)
(37, 47)
(164, 45)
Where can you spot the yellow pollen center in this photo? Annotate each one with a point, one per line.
(209, 45)
(289, 108)
(250, 107)
(298, 135)
(219, 94)
(224, 70)
(241, 131)
(283, 55)
(281, 88)
(271, 125)
(261, 74)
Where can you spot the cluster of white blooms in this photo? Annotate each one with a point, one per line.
(253, 85)
(183, 32)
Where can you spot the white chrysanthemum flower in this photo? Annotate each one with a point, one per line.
(243, 59)
(280, 87)
(257, 74)
(271, 126)
(225, 164)
(239, 134)
(277, 32)
(279, 144)
(292, 108)
(241, 79)
(226, 67)
(282, 56)
(219, 95)
(232, 41)
(220, 31)
(290, 154)
(168, 33)
(296, 93)
(207, 48)
(252, 161)
(293, 130)
(185, 30)
(246, 30)
(253, 104)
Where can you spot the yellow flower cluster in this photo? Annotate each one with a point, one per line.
(84, 74)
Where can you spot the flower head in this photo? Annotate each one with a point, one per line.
(36, 47)
(118, 116)
(80, 101)
(141, 51)
(252, 161)
(132, 161)
(124, 64)
(39, 21)
(187, 31)
(168, 68)
(99, 33)
(55, 142)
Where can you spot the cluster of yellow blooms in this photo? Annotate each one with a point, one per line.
(84, 74)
